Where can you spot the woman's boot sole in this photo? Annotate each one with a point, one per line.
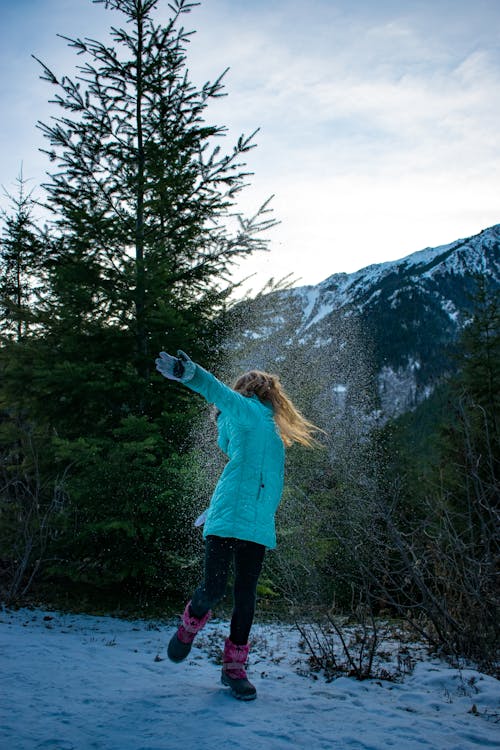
(226, 681)
(177, 651)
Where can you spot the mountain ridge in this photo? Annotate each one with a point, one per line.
(340, 284)
(388, 328)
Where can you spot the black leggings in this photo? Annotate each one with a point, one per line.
(248, 558)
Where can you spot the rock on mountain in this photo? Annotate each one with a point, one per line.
(381, 334)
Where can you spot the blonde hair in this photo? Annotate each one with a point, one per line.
(293, 427)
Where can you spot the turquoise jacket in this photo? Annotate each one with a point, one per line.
(249, 490)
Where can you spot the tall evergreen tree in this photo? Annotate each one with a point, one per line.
(472, 437)
(479, 375)
(20, 255)
(144, 192)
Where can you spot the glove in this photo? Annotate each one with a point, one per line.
(201, 519)
(179, 368)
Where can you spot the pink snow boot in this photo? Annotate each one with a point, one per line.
(181, 641)
(233, 671)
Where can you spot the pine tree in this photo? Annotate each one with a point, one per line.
(143, 192)
(479, 351)
(20, 253)
(471, 459)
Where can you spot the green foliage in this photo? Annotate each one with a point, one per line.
(135, 259)
(143, 192)
(126, 521)
(479, 351)
(20, 251)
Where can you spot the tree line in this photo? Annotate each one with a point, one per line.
(140, 232)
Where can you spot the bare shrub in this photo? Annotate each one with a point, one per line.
(437, 566)
(359, 646)
(28, 507)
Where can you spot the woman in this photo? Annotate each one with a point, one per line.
(256, 421)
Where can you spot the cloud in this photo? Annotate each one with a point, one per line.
(371, 94)
(380, 122)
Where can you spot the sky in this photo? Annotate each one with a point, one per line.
(379, 119)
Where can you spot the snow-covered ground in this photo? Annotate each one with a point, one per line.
(76, 682)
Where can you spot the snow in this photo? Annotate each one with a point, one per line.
(339, 388)
(461, 257)
(76, 682)
(428, 255)
(398, 388)
(309, 296)
(450, 309)
(324, 310)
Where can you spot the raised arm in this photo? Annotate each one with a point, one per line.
(201, 381)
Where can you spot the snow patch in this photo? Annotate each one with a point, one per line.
(450, 309)
(75, 682)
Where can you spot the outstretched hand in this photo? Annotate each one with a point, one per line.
(175, 368)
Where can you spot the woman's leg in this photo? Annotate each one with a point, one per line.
(218, 556)
(248, 560)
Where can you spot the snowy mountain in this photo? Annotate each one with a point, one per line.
(393, 322)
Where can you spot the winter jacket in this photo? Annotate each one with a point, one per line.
(249, 490)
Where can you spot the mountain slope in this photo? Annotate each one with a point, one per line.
(387, 328)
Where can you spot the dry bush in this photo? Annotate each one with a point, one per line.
(437, 566)
(28, 508)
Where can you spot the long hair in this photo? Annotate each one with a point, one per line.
(293, 427)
